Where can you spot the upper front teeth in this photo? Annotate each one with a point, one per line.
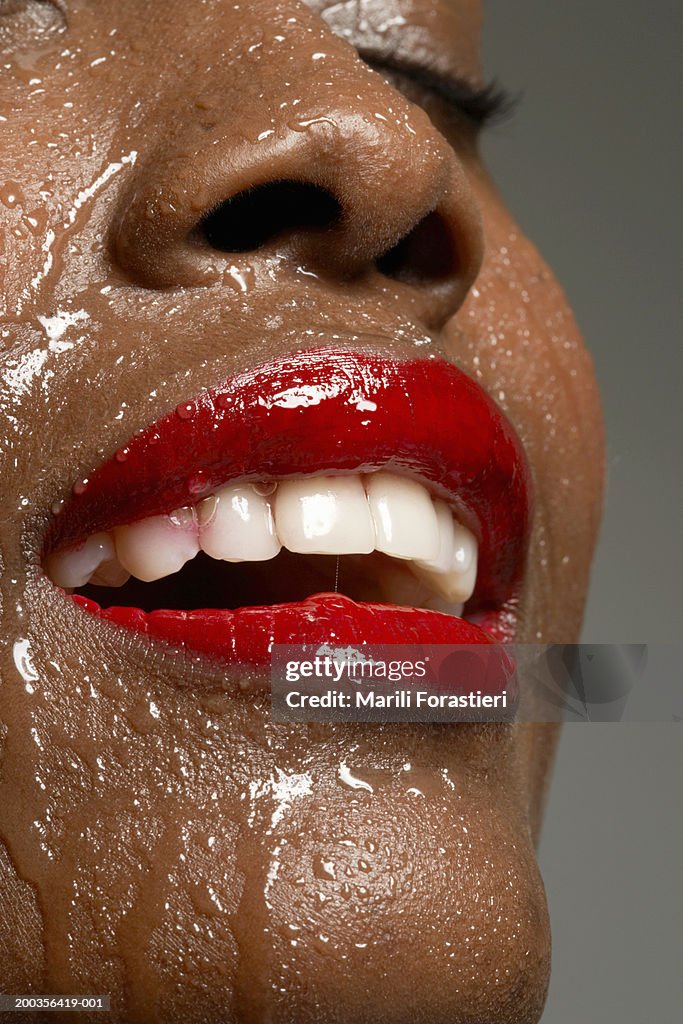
(403, 513)
(316, 515)
(325, 515)
(236, 524)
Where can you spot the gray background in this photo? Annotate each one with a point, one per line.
(591, 167)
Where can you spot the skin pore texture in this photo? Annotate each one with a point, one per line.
(171, 846)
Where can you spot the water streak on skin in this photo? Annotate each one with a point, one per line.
(254, 996)
(143, 982)
(35, 834)
(83, 201)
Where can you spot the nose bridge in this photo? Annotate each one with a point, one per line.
(294, 105)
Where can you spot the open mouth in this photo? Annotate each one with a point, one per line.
(328, 496)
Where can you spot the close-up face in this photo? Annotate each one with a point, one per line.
(271, 341)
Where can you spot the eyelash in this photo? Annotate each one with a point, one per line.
(482, 106)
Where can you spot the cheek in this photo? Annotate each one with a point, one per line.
(516, 334)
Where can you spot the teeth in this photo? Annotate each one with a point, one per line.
(73, 567)
(443, 559)
(157, 546)
(324, 515)
(452, 574)
(110, 574)
(236, 525)
(439, 604)
(404, 516)
(398, 585)
(344, 515)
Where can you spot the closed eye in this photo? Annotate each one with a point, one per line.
(481, 105)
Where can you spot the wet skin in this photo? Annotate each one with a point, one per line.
(177, 849)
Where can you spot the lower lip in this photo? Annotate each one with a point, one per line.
(246, 635)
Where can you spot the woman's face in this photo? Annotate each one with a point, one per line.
(162, 839)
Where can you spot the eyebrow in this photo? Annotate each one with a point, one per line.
(482, 105)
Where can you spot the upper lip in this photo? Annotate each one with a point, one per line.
(328, 411)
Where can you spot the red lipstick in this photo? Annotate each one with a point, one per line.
(324, 411)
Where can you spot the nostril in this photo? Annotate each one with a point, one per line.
(251, 218)
(427, 254)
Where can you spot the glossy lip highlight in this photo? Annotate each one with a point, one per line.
(331, 411)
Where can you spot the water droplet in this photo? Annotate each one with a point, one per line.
(24, 663)
(183, 517)
(57, 506)
(253, 49)
(11, 194)
(206, 510)
(186, 410)
(304, 124)
(154, 439)
(238, 278)
(224, 401)
(35, 221)
(347, 778)
(122, 454)
(198, 484)
(323, 869)
(265, 487)
(80, 486)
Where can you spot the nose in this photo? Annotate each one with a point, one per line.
(353, 185)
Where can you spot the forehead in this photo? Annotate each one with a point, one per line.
(409, 25)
